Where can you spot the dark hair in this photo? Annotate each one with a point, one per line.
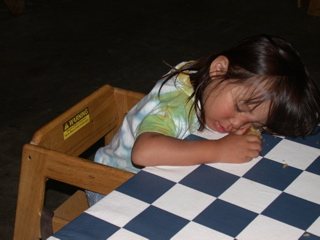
(274, 68)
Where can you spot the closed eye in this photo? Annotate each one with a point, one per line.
(238, 108)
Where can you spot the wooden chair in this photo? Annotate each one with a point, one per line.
(53, 154)
(313, 6)
(16, 7)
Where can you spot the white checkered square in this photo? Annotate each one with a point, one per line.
(173, 173)
(195, 231)
(250, 195)
(117, 208)
(234, 168)
(315, 228)
(306, 186)
(294, 154)
(265, 228)
(184, 201)
(123, 234)
(210, 134)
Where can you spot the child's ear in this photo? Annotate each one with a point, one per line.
(219, 65)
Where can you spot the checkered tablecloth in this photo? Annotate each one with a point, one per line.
(275, 196)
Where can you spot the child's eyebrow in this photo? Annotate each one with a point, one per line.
(252, 105)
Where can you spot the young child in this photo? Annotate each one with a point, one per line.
(260, 82)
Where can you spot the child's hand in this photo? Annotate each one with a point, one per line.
(238, 148)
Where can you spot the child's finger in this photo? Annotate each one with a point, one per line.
(253, 138)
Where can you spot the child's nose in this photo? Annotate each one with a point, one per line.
(237, 122)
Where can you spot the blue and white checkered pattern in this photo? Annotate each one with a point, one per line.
(275, 196)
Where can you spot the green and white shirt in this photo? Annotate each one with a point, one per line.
(169, 112)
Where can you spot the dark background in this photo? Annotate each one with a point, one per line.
(60, 51)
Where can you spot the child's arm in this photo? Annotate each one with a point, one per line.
(152, 149)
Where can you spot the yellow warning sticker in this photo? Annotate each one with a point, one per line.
(75, 123)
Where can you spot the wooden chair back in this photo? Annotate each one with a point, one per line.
(54, 150)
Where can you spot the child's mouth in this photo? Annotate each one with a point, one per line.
(220, 128)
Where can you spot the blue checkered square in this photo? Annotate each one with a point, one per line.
(225, 217)
(268, 142)
(293, 211)
(154, 223)
(315, 167)
(152, 185)
(87, 227)
(194, 138)
(272, 174)
(209, 180)
(309, 236)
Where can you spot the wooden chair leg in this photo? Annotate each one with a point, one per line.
(30, 197)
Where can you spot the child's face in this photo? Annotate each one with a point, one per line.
(226, 111)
